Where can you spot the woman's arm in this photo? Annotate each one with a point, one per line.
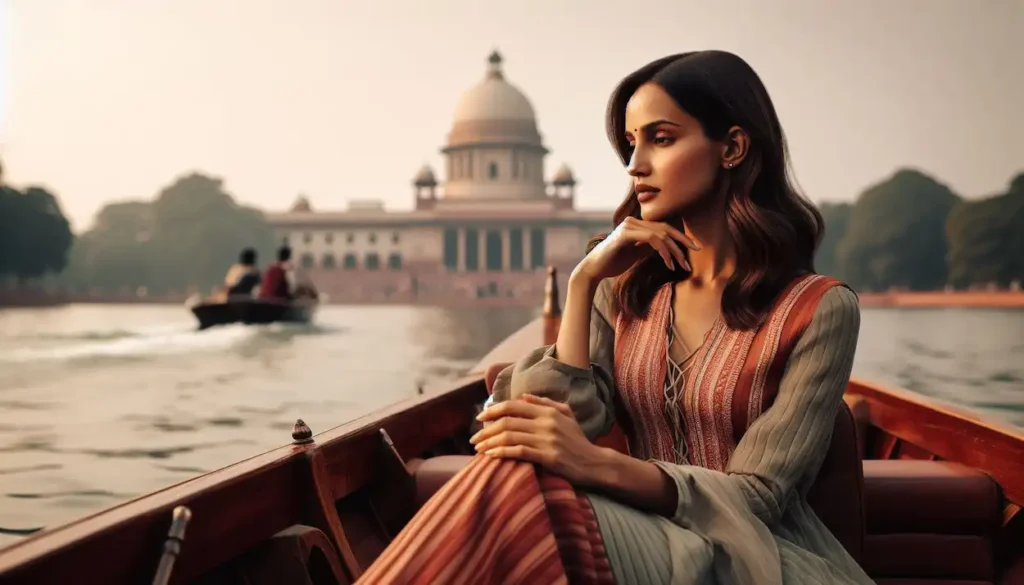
(587, 387)
(573, 344)
(637, 483)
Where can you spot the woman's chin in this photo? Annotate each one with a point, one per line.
(651, 211)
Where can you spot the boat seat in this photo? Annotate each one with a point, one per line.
(835, 497)
(929, 522)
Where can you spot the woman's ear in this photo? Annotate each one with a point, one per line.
(735, 147)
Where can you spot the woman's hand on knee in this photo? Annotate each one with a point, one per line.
(541, 431)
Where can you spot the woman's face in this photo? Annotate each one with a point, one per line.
(673, 165)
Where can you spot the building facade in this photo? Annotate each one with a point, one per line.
(484, 235)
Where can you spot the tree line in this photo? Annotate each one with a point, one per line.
(182, 241)
(909, 231)
(34, 233)
(912, 232)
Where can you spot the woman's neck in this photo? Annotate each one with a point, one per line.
(716, 260)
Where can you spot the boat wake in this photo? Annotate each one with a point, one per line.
(141, 343)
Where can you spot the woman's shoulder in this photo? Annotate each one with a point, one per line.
(830, 294)
(838, 312)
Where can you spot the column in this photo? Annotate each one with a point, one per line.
(481, 249)
(460, 247)
(505, 251)
(527, 249)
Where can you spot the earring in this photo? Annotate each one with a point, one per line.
(730, 165)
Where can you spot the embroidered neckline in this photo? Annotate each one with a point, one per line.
(676, 378)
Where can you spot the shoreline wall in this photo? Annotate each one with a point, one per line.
(942, 299)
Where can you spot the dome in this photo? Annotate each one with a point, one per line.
(301, 205)
(425, 177)
(493, 98)
(494, 111)
(564, 176)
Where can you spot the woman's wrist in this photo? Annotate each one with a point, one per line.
(580, 277)
(633, 481)
(606, 468)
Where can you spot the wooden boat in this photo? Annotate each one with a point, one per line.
(251, 311)
(920, 492)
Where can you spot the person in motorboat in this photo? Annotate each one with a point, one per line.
(279, 279)
(243, 278)
(699, 326)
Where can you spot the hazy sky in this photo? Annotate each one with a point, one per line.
(112, 99)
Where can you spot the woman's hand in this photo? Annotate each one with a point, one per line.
(631, 241)
(541, 431)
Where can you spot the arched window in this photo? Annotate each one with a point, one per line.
(492, 170)
(327, 262)
(350, 262)
(307, 261)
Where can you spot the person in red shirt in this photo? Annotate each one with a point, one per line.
(279, 278)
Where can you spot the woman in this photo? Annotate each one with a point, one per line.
(698, 325)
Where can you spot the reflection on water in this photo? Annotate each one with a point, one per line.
(102, 403)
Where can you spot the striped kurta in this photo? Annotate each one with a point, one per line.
(756, 410)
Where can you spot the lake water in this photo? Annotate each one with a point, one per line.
(100, 403)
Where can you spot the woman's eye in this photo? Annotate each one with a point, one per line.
(663, 140)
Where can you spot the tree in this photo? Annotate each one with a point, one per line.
(199, 229)
(837, 219)
(986, 238)
(35, 236)
(896, 235)
(187, 237)
(114, 253)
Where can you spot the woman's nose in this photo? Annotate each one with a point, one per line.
(638, 165)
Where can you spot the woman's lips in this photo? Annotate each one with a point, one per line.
(645, 196)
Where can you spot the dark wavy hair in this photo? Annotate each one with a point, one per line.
(775, 230)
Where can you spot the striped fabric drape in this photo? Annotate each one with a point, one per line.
(498, 522)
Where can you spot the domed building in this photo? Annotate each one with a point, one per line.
(486, 233)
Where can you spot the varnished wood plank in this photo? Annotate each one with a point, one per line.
(950, 433)
(123, 544)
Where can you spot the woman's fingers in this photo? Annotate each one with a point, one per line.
(521, 452)
(663, 244)
(664, 228)
(516, 408)
(505, 424)
(561, 407)
(510, 439)
(682, 238)
(645, 236)
(677, 253)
